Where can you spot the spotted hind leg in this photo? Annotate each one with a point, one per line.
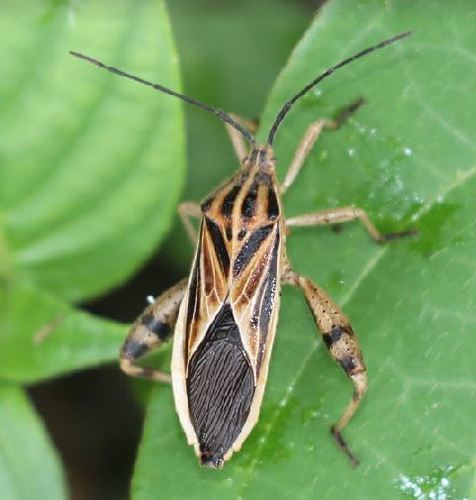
(341, 342)
(151, 329)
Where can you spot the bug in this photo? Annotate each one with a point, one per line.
(225, 313)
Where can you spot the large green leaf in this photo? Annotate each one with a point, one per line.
(408, 158)
(29, 466)
(91, 167)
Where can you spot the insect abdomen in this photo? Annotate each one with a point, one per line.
(220, 387)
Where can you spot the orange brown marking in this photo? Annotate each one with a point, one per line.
(236, 252)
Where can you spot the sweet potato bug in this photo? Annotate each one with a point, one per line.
(224, 315)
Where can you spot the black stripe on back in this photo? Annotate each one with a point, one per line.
(273, 207)
(194, 284)
(220, 388)
(270, 288)
(249, 248)
(205, 206)
(219, 245)
(248, 207)
(229, 200)
(266, 299)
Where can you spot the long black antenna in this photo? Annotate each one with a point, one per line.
(288, 105)
(190, 100)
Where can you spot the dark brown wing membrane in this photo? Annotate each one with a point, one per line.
(220, 388)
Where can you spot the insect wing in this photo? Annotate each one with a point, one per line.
(226, 325)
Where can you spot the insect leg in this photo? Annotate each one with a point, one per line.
(151, 329)
(342, 344)
(346, 214)
(310, 137)
(239, 145)
(186, 211)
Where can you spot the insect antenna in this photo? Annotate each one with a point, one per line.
(190, 100)
(288, 105)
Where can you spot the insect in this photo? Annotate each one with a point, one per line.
(225, 313)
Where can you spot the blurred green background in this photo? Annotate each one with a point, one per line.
(91, 171)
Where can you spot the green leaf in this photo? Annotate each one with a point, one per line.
(408, 157)
(92, 164)
(43, 337)
(91, 167)
(29, 466)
